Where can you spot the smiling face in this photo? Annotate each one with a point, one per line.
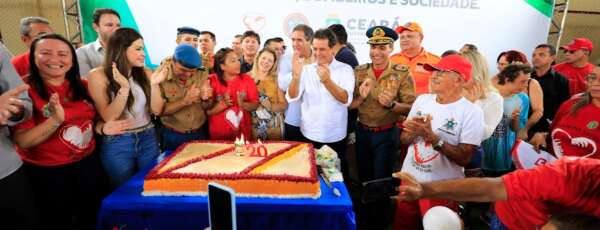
(266, 61)
(53, 58)
(250, 46)
(323, 53)
(135, 53)
(443, 81)
(410, 40)
(380, 54)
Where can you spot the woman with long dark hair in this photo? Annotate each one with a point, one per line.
(121, 90)
(236, 96)
(57, 142)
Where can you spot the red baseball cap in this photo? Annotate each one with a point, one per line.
(412, 26)
(454, 63)
(579, 44)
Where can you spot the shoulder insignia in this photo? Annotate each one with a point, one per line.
(361, 67)
(403, 68)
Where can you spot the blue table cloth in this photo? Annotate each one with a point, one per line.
(126, 208)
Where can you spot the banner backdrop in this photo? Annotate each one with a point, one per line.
(493, 25)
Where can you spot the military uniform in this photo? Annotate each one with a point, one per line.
(377, 136)
(208, 60)
(187, 123)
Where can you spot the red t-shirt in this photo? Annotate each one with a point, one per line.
(21, 64)
(72, 141)
(576, 76)
(233, 121)
(569, 184)
(578, 134)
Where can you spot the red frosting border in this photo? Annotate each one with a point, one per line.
(154, 173)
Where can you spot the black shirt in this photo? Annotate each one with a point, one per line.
(245, 67)
(556, 91)
(345, 55)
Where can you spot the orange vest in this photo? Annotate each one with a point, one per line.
(415, 65)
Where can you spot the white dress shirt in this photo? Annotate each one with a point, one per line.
(323, 117)
(284, 72)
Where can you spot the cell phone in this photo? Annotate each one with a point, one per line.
(221, 207)
(378, 189)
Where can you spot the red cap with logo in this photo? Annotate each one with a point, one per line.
(454, 63)
(579, 44)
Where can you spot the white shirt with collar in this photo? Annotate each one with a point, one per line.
(292, 113)
(323, 118)
(89, 57)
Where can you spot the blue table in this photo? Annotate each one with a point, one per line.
(126, 208)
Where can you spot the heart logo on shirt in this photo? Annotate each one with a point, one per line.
(234, 118)
(424, 152)
(254, 21)
(76, 137)
(560, 138)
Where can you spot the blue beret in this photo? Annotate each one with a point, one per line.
(187, 30)
(381, 35)
(187, 56)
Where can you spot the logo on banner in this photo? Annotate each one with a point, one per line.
(254, 21)
(333, 18)
(291, 21)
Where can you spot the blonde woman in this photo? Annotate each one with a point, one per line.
(267, 120)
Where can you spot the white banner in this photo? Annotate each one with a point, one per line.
(492, 25)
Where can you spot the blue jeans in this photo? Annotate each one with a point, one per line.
(171, 140)
(123, 155)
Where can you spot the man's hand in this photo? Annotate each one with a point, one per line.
(419, 126)
(297, 64)
(365, 88)
(324, 73)
(10, 104)
(158, 76)
(409, 189)
(385, 98)
(206, 92)
(192, 95)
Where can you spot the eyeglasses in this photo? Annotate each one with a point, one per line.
(591, 78)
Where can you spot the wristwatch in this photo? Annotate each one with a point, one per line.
(438, 145)
(391, 105)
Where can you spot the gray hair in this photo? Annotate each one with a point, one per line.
(26, 22)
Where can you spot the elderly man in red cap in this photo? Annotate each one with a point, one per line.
(414, 55)
(576, 65)
(442, 130)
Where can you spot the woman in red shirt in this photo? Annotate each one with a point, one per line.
(236, 96)
(57, 142)
(575, 130)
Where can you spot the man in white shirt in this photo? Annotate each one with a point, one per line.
(302, 36)
(90, 56)
(442, 130)
(325, 91)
